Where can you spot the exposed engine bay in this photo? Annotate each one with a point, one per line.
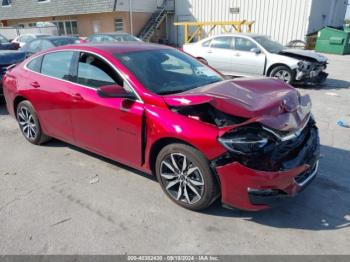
(209, 114)
(310, 69)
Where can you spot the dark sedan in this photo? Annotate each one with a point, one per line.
(44, 43)
(8, 58)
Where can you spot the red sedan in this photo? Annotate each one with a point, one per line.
(250, 142)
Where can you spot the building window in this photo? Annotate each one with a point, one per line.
(118, 24)
(67, 27)
(6, 2)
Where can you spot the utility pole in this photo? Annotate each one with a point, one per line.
(130, 18)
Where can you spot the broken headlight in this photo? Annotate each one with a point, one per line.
(245, 140)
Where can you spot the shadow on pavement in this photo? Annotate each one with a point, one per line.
(324, 205)
(58, 143)
(3, 110)
(330, 84)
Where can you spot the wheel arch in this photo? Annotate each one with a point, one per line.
(276, 65)
(16, 102)
(158, 145)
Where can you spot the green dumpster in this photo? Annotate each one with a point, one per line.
(333, 41)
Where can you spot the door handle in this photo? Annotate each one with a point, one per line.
(210, 51)
(77, 97)
(238, 54)
(35, 84)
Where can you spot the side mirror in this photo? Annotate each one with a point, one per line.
(255, 50)
(114, 91)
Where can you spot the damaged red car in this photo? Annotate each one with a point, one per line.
(249, 142)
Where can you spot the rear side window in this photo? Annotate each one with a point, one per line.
(35, 64)
(222, 42)
(206, 43)
(96, 38)
(33, 47)
(46, 45)
(57, 65)
(94, 72)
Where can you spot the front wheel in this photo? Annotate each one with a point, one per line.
(283, 73)
(185, 176)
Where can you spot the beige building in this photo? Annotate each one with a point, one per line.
(85, 17)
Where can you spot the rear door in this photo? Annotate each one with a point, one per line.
(108, 126)
(50, 92)
(219, 54)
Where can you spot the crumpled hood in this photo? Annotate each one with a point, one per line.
(302, 54)
(269, 101)
(8, 57)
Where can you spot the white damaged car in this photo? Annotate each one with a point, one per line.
(251, 55)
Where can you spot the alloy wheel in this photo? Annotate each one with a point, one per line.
(27, 123)
(182, 179)
(283, 75)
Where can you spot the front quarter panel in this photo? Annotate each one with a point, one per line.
(163, 123)
(273, 59)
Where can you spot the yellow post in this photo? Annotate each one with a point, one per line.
(186, 33)
(237, 25)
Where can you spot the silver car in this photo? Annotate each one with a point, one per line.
(251, 55)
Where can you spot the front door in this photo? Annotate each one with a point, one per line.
(245, 61)
(108, 126)
(219, 54)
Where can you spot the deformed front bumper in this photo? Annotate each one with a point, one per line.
(260, 181)
(313, 75)
(254, 190)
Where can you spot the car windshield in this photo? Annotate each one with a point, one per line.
(268, 44)
(125, 38)
(64, 41)
(167, 71)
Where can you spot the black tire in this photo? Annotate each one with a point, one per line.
(276, 71)
(201, 173)
(29, 124)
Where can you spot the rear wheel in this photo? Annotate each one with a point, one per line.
(29, 124)
(185, 176)
(283, 73)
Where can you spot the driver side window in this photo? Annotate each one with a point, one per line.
(244, 44)
(94, 72)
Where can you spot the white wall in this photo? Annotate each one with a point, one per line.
(283, 20)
